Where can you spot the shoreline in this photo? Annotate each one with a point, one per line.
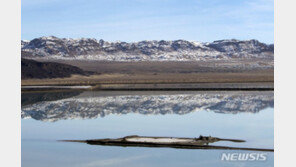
(253, 86)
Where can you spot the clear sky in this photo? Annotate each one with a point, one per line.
(136, 20)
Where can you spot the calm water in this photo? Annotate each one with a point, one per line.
(48, 117)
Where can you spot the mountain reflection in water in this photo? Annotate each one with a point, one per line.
(87, 105)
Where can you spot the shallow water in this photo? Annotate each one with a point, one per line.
(48, 117)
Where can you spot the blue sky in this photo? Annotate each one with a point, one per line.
(136, 20)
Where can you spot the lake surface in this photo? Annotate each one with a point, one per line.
(51, 116)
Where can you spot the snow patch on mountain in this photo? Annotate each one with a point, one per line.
(178, 50)
(92, 107)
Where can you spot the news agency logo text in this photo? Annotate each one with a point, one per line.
(244, 157)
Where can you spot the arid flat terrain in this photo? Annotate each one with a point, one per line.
(182, 67)
(118, 75)
(117, 78)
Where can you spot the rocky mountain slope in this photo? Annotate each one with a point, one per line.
(179, 50)
(35, 69)
(89, 106)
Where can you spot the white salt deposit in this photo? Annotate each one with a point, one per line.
(158, 140)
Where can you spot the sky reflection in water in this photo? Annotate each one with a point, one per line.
(40, 148)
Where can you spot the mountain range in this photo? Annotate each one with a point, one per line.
(89, 105)
(54, 48)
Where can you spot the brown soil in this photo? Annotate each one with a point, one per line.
(160, 73)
